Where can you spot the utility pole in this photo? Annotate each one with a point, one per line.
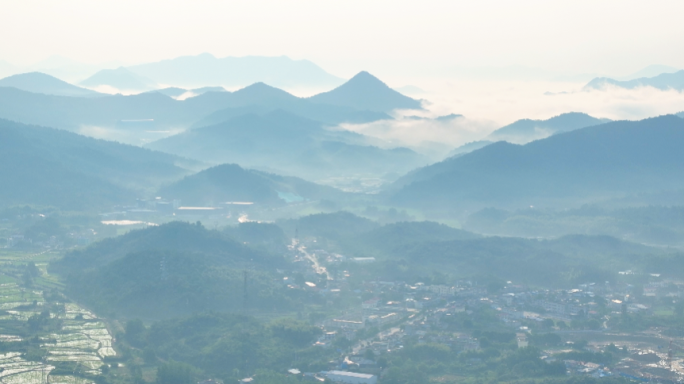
(244, 292)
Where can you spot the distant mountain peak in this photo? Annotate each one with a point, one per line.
(206, 69)
(261, 89)
(663, 81)
(38, 82)
(526, 130)
(365, 91)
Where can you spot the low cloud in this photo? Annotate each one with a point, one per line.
(429, 136)
(489, 105)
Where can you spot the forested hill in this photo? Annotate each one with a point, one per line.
(170, 270)
(177, 236)
(230, 182)
(612, 159)
(53, 167)
(419, 251)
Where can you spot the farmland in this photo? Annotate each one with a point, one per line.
(43, 336)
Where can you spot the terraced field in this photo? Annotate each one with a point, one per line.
(75, 345)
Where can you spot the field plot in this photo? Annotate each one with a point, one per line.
(59, 379)
(16, 370)
(83, 340)
(70, 338)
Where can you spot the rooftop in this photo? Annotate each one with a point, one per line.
(350, 374)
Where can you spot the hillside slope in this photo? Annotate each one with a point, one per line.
(37, 82)
(613, 159)
(55, 167)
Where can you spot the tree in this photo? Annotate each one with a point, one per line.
(176, 373)
(135, 329)
(149, 355)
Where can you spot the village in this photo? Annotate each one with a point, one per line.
(562, 322)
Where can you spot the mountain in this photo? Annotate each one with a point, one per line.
(173, 269)
(263, 99)
(121, 79)
(610, 160)
(526, 130)
(205, 69)
(230, 182)
(365, 91)
(288, 144)
(178, 236)
(664, 81)
(37, 82)
(68, 69)
(121, 116)
(650, 71)
(53, 167)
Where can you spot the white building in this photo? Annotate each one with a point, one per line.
(351, 377)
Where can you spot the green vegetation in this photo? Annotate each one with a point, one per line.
(648, 224)
(175, 269)
(225, 346)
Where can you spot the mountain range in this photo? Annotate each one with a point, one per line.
(48, 166)
(649, 71)
(585, 165)
(285, 143)
(664, 81)
(205, 69)
(162, 113)
(261, 99)
(527, 130)
(37, 82)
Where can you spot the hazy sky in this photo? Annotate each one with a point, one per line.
(610, 36)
